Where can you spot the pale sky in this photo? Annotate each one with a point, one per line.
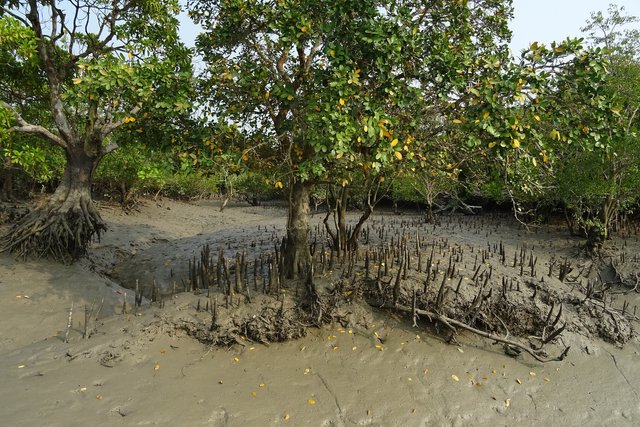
(543, 21)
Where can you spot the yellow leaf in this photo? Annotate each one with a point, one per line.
(76, 81)
(534, 161)
(485, 115)
(457, 121)
(366, 128)
(381, 179)
(286, 417)
(507, 403)
(398, 155)
(394, 142)
(515, 143)
(304, 29)
(266, 95)
(311, 401)
(332, 53)
(533, 374)
(492, 144)
(236, 360)
(278, 184)
(341, 101)
(290, 97)
(518, 381)
(455, 378)
(536, 117)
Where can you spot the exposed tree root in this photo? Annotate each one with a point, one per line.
(61, 230)
(453, 324)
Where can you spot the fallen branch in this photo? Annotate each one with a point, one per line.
(452, 324)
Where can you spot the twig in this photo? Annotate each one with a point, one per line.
(66, 334)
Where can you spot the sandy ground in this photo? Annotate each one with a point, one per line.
(137, 369)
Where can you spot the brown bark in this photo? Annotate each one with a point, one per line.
(64, 226)
(297, 254)
(7, 180)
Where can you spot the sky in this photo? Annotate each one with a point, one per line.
(543, 21)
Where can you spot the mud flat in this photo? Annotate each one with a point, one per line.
(138, 366)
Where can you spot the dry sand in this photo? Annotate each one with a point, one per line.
(140, 370)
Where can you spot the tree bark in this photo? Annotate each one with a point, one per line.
(6, 193)
(63, 227)
(297, 254)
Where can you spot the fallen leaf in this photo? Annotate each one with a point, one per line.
(354, 348)
(261, 385)
(83, 389)
(21, 366)
(311, 401)
(99, 397)
(156, 367)
(518, 381)
(254, 394)
(533, 374)
(236, 360)
(547, 379)
(460, 350)
(507, 403)
(455, 378)
(286, 417)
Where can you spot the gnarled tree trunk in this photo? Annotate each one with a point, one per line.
(67, 222)
(297, 254)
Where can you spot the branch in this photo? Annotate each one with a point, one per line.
(26, 127)
(452, 324)
(110, 127)
(316, 47)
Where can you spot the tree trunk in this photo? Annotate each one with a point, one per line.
(64, 226)
(6, 193)
(297, 255)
